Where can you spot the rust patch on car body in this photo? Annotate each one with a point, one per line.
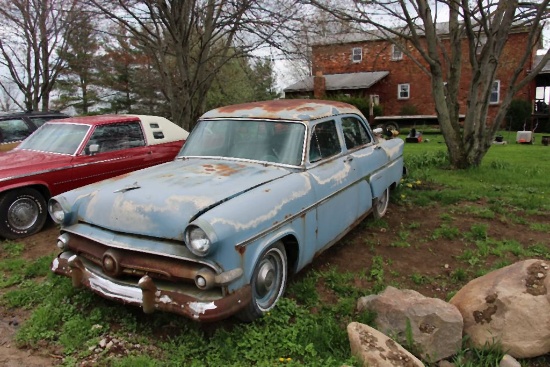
(128, 263)
(152, 296)
(241, 250)
(283, 109)
(223, 169)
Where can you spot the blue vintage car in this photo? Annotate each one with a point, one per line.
(257, 191)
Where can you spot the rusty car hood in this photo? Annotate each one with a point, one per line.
(160, 201)
(17, 163)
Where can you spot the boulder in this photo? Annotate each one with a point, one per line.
(509, 361)
(375, 349)
(510, 306)
(431, 325)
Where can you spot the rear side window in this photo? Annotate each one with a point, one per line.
(158, 134)
(324, 141)
(13, 130)
(355, 134)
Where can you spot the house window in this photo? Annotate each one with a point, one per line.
(374, 99)
(356, 54)
(403, 91)
(396, 53)
(481, 41)
(495, 92)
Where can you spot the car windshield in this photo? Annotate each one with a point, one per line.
(56, 138)
(271, 141)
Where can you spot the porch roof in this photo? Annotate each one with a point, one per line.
(343, 81)
(546, 68)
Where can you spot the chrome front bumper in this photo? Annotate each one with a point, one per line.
(187, 300)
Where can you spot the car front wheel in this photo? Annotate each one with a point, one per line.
(22, 213)
(268, 282)
(380, 205)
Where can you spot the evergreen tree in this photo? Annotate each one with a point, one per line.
(77, 85)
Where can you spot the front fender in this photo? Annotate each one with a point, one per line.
(252, 252)
(41, 185)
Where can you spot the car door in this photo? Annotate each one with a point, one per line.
(334, 183)
(367, 159)
(121, 149)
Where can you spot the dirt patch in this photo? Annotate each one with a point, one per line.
(414, 257)
(10, 355)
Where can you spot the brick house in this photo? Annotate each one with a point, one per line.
(363, 65)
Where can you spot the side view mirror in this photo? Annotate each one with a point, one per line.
(93, 149)
(378, 131)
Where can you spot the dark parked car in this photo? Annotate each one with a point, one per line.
(257, 191)
(66, 154)
(14, 127)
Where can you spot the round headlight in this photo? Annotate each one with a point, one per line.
(56, 211)
(197, 241)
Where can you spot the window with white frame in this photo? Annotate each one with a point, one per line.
(480, 43)
(403, 91)
(396, 53)
(374, 99)
(356, 54)
(495, 93)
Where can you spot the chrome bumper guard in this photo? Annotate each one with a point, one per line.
(148, 295)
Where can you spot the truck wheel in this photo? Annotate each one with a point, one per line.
(268, 282)
(22, 213)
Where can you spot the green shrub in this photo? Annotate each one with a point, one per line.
(518, 114)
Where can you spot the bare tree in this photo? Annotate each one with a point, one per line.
(8, 97)
(191, 40)
(484, 26)
(32, 32)
(315, 24)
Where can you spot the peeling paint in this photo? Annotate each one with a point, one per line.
(286, 109)
(165, 299)
(201, 307)
(127, 294)
(338, 177)
(254, 222)
(55, 264)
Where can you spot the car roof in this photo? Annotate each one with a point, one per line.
(284, 109)
(96, 120)
(170, 131)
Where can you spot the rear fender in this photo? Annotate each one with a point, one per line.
(390, 175)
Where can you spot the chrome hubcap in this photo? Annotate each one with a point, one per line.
(22, 214)
(266, 278)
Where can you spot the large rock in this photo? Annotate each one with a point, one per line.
(375, 349)
(510, 306)
(435, 325)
